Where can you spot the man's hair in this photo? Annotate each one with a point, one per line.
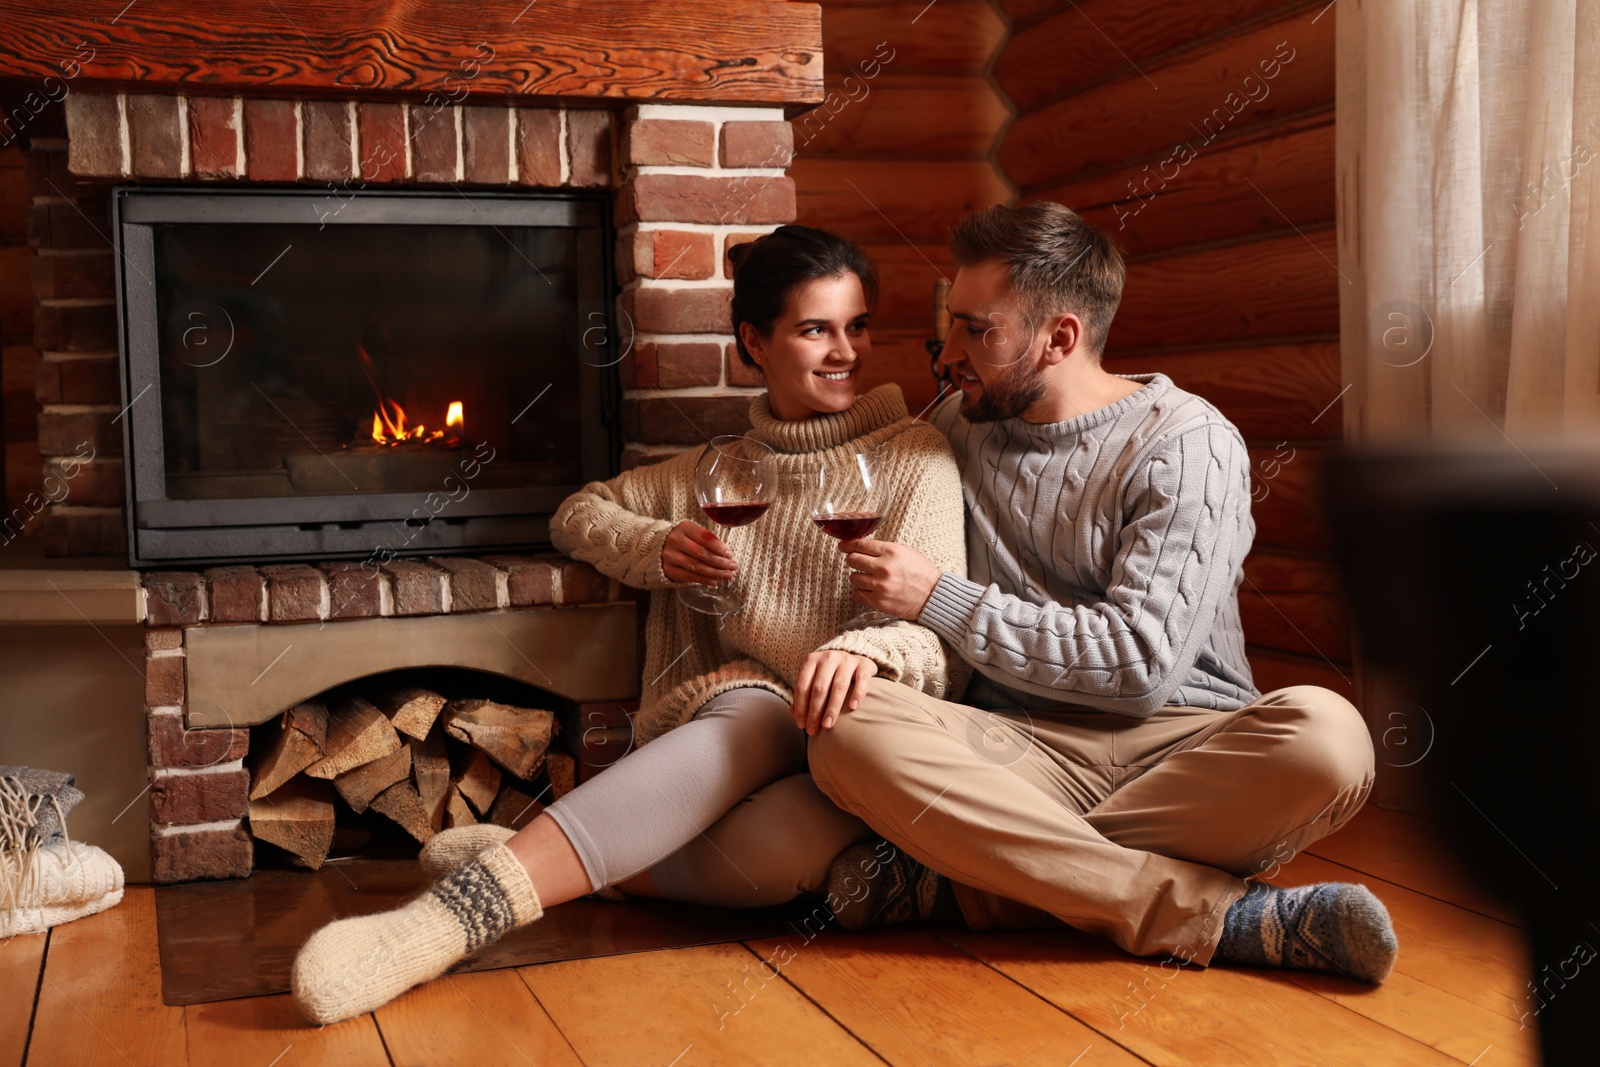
(1057, 262)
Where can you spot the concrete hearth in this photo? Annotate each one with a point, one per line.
(245, 675)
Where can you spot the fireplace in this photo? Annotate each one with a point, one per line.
(209, 395)
(645, 201)
(393, 372)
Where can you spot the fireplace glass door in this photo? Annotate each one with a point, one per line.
(310, 376)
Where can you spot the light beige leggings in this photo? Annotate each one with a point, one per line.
(720, 811)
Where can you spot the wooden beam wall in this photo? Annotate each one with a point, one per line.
(1201, 136)
(901, 147)
(709, 51)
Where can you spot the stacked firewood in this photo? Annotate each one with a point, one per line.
(411, 755)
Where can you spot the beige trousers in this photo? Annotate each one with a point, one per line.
(1141, 830)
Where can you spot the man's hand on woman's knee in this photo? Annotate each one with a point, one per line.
(830, 683)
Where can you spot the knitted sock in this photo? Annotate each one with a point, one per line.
(872, 883)
(449, 849)
(1332, 926)
(355, 965)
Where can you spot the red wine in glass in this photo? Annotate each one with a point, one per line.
(740, 513)
(848, 502)
(848, 525)
(734, 486)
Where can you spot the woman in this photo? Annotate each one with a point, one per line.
(716, 805)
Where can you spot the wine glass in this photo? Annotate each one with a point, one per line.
(734, 485)
(848, 501)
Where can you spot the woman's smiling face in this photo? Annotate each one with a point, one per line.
(815, 352)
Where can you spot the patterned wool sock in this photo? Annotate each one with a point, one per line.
(872, 883)
(1331, 926)
(355, 965)
(449, 849)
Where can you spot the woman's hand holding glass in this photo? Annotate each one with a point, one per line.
(734, 483)
(693, 553)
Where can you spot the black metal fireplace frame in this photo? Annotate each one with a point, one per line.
(164, 531)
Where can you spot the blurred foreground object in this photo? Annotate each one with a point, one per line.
(1473, 577)
(941, 327)
(46, 879)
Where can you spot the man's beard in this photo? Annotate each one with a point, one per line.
(1007, 396)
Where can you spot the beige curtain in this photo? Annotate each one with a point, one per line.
(1469, 219)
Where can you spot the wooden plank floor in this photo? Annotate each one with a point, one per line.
(88, 993)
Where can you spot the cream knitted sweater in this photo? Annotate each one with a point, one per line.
(792, 576)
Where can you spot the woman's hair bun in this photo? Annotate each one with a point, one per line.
(769, 268)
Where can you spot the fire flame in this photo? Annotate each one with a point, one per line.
(391, 427)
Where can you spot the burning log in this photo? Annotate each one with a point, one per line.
(360, 784)
(390, 426)
(515, 738)
(412, 711)
(358, 733)
(298, 745)
(298, 818)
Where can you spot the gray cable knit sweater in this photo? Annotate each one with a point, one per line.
(1105, 555)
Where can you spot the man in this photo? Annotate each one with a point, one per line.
(1119, 771)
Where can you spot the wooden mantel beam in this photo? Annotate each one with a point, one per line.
(701, 51)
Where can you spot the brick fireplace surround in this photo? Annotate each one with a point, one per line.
(198, 780)
(689, 181)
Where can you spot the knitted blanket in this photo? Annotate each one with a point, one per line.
(48, 795)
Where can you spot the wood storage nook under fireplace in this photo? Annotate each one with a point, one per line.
(390, 761)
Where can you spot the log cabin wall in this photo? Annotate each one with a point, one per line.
(902, 146)
(1202, 137)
